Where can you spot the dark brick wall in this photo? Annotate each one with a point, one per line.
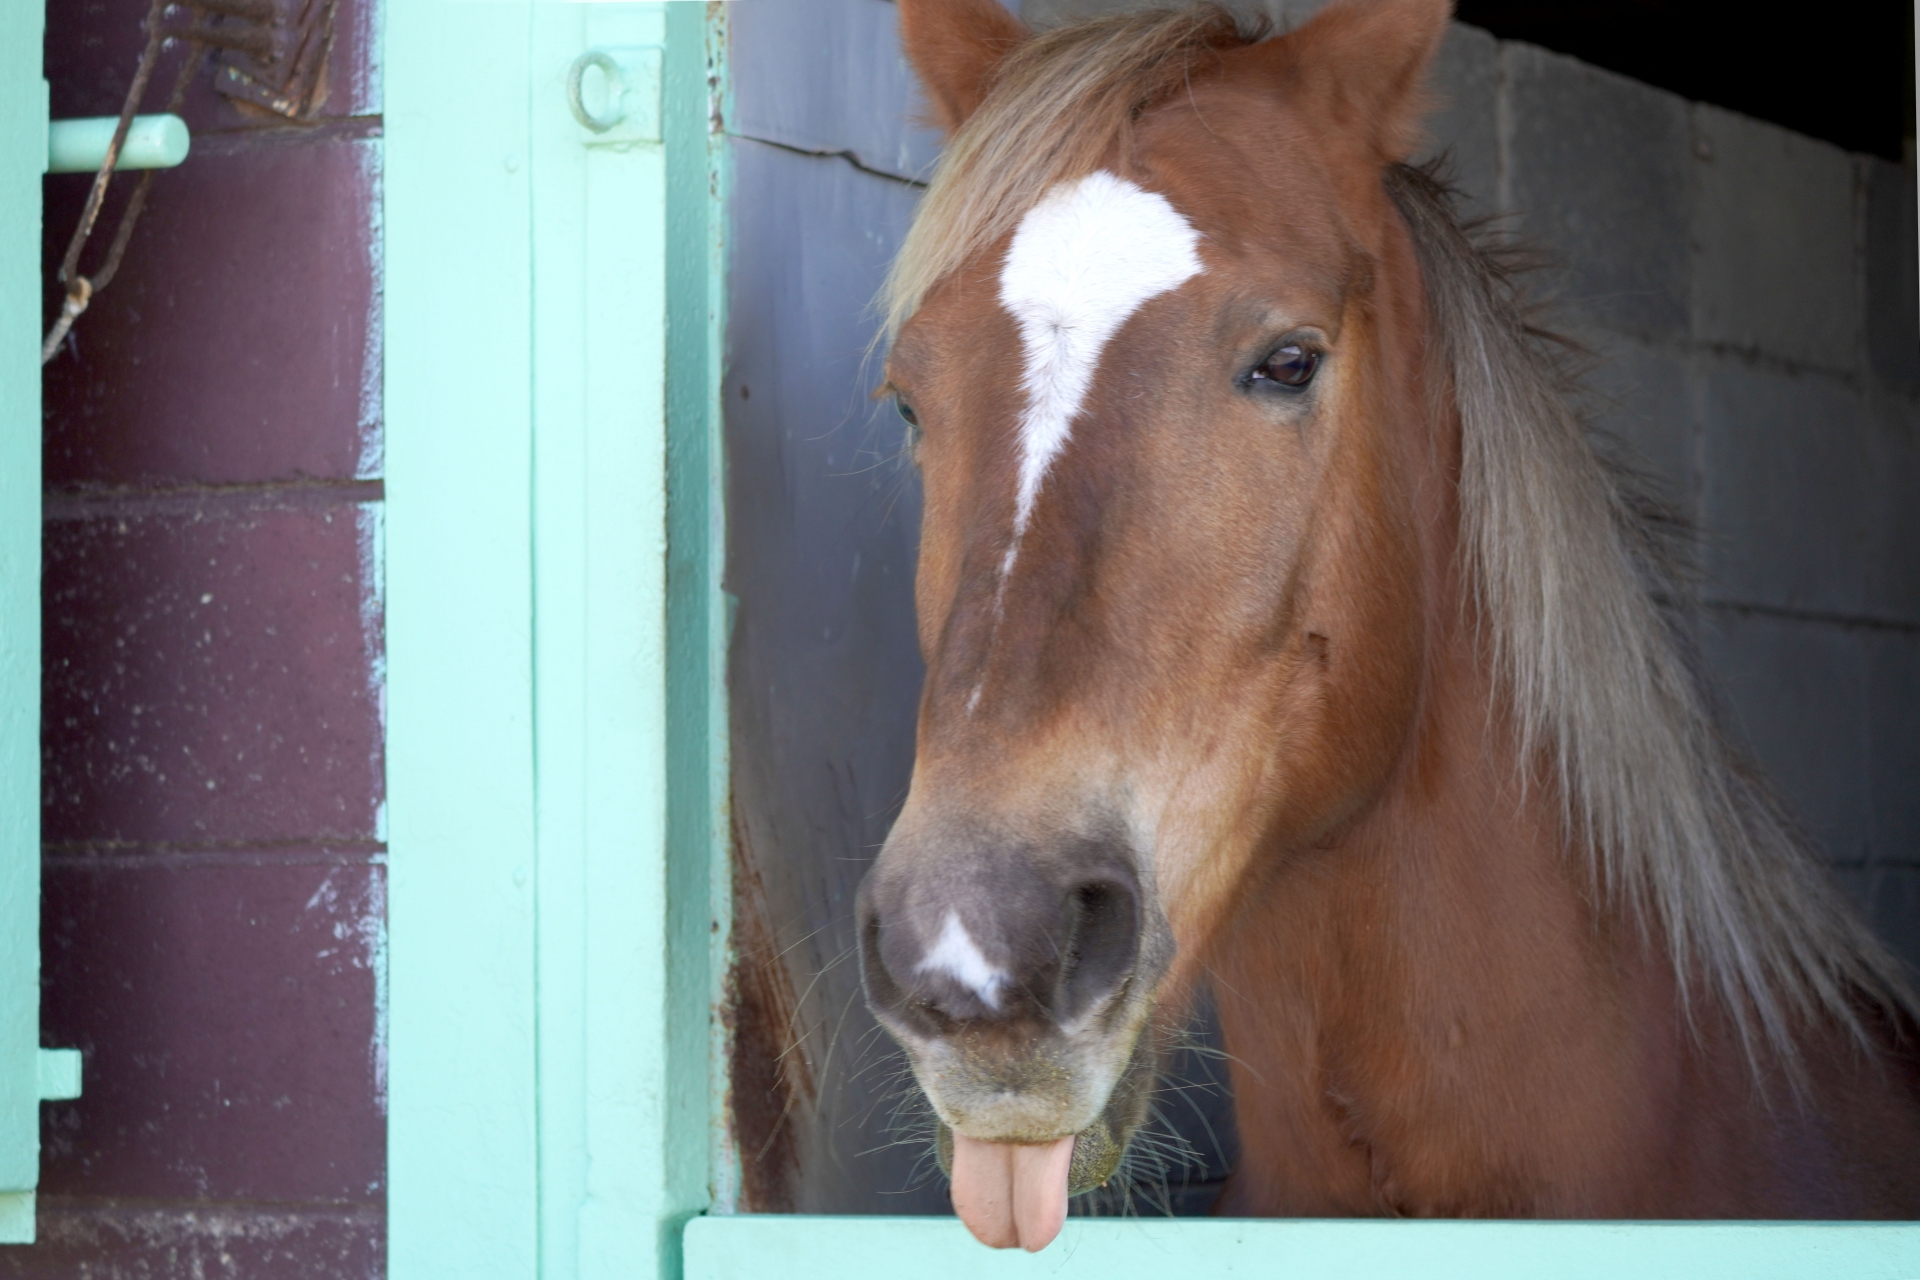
(214, 907)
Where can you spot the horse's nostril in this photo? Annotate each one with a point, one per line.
(882, 991)
(1103, 943)
(890, 987)
(1006, 943)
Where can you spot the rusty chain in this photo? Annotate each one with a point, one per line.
(81, 289)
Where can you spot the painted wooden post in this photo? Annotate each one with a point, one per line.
(462, 1130)
(28, 1073)
(23, 133)
(554, 775)
(1145, 1249)
(698, 98)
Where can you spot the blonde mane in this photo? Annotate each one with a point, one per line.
(1564, 570)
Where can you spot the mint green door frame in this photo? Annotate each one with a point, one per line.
(23, 123)
(28, 1073)
(557, 728)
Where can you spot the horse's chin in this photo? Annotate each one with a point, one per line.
(1096, 1154)
(1097, 1146)
(1015, 1193)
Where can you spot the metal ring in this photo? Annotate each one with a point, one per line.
(616, 90)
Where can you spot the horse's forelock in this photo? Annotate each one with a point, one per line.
(1060, 106)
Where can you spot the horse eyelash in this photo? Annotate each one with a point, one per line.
(915, 431)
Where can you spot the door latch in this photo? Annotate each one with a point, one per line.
(614, 94)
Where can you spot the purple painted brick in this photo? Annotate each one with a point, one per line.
(85, 1242)
(210, 677)
(227, 1009)
(92, 47)
(238, 344)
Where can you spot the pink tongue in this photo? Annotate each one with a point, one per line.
(1010, 1194)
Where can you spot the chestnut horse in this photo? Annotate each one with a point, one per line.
(1283, 632)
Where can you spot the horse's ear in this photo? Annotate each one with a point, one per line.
(954, 46)
(1365, 61)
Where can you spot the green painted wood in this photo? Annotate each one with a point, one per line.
(563, 450)
(23, 115)
(699, 610)
(60, 1071)
(736, 1248)
(621, 1100)
(462, 1066)
(16, 1217)
(698, 97)
(554, 784)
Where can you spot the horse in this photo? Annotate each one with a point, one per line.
(1285, 635)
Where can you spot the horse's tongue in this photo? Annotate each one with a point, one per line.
(1009, 1194)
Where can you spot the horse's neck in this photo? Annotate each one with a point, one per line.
(1429, 1016)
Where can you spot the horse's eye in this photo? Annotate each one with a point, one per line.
(906, 411)
(1291, 366)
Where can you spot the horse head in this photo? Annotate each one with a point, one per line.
(1159, 337)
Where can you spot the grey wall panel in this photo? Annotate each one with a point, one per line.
(1775, 225)
(1797, 696)
(1465, 124)
(828, 76)
(1892, 308)
(1893, 757)
(825, 672)
(1598, 176)
(1893, 510)
(1786, 488)
(1638, 398)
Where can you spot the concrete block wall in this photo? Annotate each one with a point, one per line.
(1749, 297)
(213, 911)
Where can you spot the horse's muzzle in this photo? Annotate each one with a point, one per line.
(1018, 978)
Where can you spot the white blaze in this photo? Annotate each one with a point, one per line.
(1083, 260)
(956, 954)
